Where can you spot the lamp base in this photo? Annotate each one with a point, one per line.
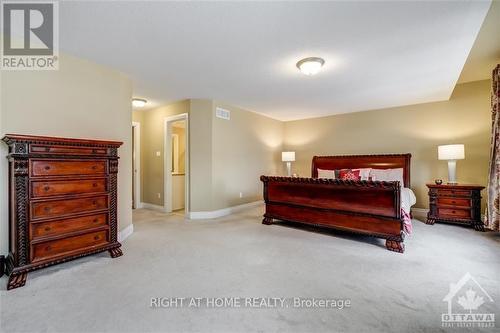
(452, 172)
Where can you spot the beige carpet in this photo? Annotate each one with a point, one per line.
(237, 256)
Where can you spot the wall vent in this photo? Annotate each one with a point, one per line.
(222, 113)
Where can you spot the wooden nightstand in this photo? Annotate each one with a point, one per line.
(455, 204)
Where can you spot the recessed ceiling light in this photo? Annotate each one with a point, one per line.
(311, 65)
(139, 102)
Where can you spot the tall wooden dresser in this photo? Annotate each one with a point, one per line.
(62, 201)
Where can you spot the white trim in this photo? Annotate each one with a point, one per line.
(167, 162)
(146, 205)
(222, 212)
(136, 127)
(125, 233)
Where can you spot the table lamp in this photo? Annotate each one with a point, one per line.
(288, 157)
(451, 153)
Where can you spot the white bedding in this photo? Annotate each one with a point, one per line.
(408, 199)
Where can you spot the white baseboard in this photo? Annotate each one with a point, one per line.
(125, 233)
(222, 212)
(152, 206)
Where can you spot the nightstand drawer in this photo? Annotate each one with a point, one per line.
(458, 202)
(453, 193)
(454, 213)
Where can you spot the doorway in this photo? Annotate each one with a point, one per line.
(136, 165)
(176, 164)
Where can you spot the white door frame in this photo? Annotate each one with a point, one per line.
(167, 163)
(136, 157)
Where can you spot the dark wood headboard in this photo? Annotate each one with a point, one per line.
(392, 161)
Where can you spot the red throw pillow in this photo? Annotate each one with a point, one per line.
(348, 174)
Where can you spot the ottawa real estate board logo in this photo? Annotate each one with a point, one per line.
(468, 305)
(30, 35)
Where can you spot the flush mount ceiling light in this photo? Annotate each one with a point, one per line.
(311, 65)
(138, 102)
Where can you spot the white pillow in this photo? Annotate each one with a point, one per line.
(329, 174)
(364, 173)
(388, 175)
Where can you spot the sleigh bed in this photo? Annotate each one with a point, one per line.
(362, 206)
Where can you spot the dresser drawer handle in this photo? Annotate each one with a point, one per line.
(48, 248)
(47, 167)
(453, 211)
(95, 220)
(94, 185)
(46, 208)
(47, 229)
(96, 237)
(453, 202)
(46, 188)
(94, 202)
(94, 167)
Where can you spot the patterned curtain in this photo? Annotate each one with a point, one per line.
(493, 209)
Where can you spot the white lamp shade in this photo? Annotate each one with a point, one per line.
(288, 156)
(451, 152)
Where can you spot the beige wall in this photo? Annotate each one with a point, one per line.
(200, 155)
(226, 157)
(243, 148)
(415, 129)
(152, 123)
(4, 176)
(81, 100)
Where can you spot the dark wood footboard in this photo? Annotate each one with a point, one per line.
(371, 208)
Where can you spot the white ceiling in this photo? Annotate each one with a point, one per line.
(485, 53)
(378, 54)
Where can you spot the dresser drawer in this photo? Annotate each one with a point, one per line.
(59, 247)
(458, 202)
(67, 168)
(454, 193)
(59, 227)
(71, 150)
(44, 209)
(53, 188)
(454, 213)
